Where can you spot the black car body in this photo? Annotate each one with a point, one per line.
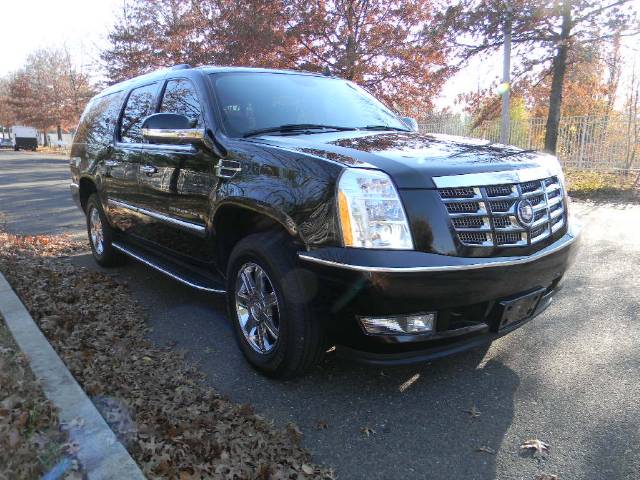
(479, 234)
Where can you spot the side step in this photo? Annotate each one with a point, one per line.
(174, 270)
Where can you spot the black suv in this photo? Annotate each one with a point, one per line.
(323, 217)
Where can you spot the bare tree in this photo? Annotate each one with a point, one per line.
(544, 34)
(397, 49)
(7, 116)
(49, 91)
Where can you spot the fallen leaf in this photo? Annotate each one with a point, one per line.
(473, 412)
(322, 425)
(545, 476)
(537, 446)
(368, 431)
(486, 450)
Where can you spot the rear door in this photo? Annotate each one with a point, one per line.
(176, 180)
(121, 177)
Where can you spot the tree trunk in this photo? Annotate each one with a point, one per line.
(59, 131)
(559, 68)
(45, 139)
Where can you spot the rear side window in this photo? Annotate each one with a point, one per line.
(99, 120)
(180, 97)
(140, 105)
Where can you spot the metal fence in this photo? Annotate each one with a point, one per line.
(585, 143)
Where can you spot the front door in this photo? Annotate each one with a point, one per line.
(176, 181)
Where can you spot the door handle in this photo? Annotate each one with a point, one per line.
(227, 168)
(148, 169)
(110, 163)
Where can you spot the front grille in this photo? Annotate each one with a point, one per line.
(474, 238)
(463, 207)
(487, 216)
(462, 192)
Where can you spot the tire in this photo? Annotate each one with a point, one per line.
(300, 338)
(101, 235)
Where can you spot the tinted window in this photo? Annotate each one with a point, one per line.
(139, 106)
(180, 97)
(253, 101)
(99, 120)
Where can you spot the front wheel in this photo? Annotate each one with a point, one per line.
(269, 303)
(100, 234)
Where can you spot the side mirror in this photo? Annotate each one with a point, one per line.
(171, 128)
(410, 122)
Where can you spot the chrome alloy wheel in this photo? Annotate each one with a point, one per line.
(95, 231)
(257, 308)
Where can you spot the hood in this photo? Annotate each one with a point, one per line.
(412, 159)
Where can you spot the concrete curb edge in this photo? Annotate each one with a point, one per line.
(100, 453)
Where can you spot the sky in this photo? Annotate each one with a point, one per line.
(82, 26)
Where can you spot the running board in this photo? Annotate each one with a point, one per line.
(177, 272)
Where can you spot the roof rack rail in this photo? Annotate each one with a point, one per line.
(182, 66)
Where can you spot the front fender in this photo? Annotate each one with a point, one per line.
(296, 190)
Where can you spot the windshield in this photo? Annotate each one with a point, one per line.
(255, 101)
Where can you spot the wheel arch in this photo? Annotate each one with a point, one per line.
(234, 220)
(87, 187)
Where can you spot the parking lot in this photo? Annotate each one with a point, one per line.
(569, 378)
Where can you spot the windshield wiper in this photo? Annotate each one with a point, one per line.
(295, 127)
(384, 127)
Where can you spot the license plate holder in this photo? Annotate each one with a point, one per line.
(518, 309)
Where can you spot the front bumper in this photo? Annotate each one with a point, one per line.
(75, 194)
(465, 293)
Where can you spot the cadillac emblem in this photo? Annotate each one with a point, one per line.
(525, 212)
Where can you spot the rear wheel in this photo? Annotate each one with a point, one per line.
(268, 298)
(100, 234)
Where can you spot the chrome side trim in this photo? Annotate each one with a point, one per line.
(159, 146)
(493, 178)
(166, 272)
(199, 229)
(494, 262)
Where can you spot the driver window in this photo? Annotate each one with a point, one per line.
(180, 97)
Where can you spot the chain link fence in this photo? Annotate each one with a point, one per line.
(584, 143)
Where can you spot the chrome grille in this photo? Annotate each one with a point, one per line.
(487, 215)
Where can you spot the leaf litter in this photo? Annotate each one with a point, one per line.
(173, 424)
(32, 440)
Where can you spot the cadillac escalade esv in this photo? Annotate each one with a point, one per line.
(323, 217)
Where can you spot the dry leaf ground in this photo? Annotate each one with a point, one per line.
(173, 425)
(31, 441)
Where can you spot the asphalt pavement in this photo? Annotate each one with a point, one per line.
(569, 378)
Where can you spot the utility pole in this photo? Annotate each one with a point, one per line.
(506, 75)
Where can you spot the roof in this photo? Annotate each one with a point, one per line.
(225, 69)
(206, 69)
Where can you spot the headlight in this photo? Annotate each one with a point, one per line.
(371, 213)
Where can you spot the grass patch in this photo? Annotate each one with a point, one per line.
(602, 187)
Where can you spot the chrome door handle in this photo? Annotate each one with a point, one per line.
(227, 168)
(110, 163)
(148, 169)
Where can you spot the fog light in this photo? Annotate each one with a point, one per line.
(399, 325)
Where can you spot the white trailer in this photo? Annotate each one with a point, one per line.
(24, 137)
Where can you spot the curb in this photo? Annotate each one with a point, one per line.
(101, 454)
